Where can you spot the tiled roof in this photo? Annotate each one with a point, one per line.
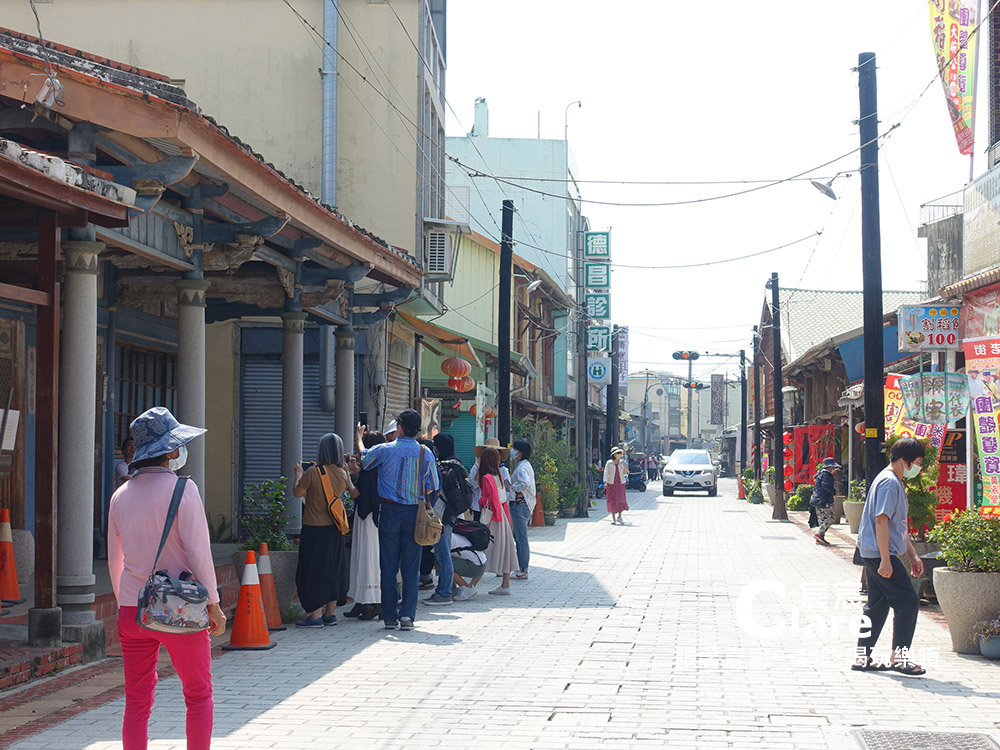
(811, 316)
(66, 172)
(155, 85)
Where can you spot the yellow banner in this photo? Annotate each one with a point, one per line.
(952, 24)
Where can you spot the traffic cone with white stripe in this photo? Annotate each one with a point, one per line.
(10, 593)
(271, 610)
(250, 622)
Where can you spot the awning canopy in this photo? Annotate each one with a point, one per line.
(542, 408)
(972, 283)
(454, 342)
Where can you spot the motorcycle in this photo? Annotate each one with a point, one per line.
(636, 476)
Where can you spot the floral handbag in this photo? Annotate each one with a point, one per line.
(173, 604)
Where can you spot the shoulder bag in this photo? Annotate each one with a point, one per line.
(168, 604)
(338, 511)
(428, 527)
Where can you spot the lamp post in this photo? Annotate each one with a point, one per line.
(778, 456)
(578, 104)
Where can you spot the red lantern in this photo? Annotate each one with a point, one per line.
(788, 454)
(462, 385)
(491, 412)
(789, 470)
(787, 437)
(456, 369)
(789, 485)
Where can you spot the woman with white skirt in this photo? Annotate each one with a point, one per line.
(365, 580)
(501, 555)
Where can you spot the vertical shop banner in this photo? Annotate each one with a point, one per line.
(718, 398)
(952, 24)
(982, 363)
(623, 357)
(953, 477)
(751, 395)
(897, 423)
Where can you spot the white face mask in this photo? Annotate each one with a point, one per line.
(912, 471)
(176, 464)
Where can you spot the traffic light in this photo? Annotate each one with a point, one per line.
(686, 355)
(693, 385)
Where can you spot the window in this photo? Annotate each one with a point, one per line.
(145, 379)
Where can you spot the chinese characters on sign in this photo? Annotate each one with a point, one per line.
(982, 364)
(897, 423)
(928, 328)
(952, 24)
(598, 305)
(623, 357)
(597, 275)
(596, 245)
(598, 338)
(935, 397)
(718, 398)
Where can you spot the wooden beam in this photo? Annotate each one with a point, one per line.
(22, 294)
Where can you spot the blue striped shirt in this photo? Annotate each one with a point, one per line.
(398, 466)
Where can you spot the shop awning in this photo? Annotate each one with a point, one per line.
(453, 342)
(986, 278)
(542, 408)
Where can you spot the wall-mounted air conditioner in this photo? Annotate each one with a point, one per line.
(441, 242)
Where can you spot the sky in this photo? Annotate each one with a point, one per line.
(720, 91)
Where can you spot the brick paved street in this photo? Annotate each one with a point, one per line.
(625, 637)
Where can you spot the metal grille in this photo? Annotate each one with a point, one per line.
(886, 740)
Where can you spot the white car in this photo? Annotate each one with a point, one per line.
(690, 470)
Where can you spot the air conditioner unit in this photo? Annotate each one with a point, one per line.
(439, 254)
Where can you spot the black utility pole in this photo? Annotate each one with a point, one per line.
(756, 403)
(871, 268)
(503, 324)
(611, 438)
(778, 459)
(743, 413)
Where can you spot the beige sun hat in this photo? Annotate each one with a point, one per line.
(616, 451)
(492, 443)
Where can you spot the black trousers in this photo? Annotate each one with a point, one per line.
(895, 593)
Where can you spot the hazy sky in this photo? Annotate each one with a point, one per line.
(721, 91)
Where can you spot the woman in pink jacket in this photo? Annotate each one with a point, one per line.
(136, 519)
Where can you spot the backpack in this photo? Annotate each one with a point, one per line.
(455, 488)
(477, 533)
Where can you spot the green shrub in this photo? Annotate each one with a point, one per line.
(797, 502)
(753, 490)
(263, 516)
(857, 491)
(970, 543)
(547, 486)
(805, 491)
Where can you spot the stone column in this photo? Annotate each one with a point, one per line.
(293, 328)
(191, 370)
(77, 417)
(344, 418)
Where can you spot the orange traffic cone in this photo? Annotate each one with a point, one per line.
(270, 596)
(250, 623)
(538, 517)
(743, 494)
(10, 593)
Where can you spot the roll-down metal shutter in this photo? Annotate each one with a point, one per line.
(398, 396)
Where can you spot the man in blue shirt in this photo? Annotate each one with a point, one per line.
(407, 472)
(882, 535)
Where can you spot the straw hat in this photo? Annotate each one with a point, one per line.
(616, 451)
(492, 443)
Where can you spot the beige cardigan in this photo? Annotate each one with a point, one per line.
(609, 471)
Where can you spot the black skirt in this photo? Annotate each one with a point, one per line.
(322, 574)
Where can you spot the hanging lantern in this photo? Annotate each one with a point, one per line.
(788, 454)
(787, 438)
(491, 412)
(789, 470)
(456, 369)
(860, 429)
(789, 485)
(462, 385)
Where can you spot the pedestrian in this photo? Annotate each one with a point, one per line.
(468, 565)
(615, 482)
(522, 483)
(651, 467)
(882, 536)
(454, 499)
(501, 555)
(321, 574)
(121, 469)
(824, 488)
(406, 474)
(365, 577)
(474, 478)
(391, 431)
(137, 516)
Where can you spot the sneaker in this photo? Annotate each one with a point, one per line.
(437, 600)
(310, 622)
(426, 583)
(521, 575)
(820, 539)
(465, 593)
(405, 623)
(330, 620)
(390, 625)
(500, 591)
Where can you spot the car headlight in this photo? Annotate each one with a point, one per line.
(706, 472)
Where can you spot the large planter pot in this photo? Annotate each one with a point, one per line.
(567, 512)
(772, 493)
(283, 564)
(550, 517)
(989, 646)
(853, 511)
(965, 599)
(838, 507)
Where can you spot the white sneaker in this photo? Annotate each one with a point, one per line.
(465, 593)
(501, 591)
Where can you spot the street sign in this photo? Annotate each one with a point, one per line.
(598, 305)
(599, 370)
(598, 338)
(596, 245)
(597, 275)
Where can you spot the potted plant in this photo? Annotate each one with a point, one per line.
(549, 490)
(769, 479)
(263, 521)
(968, 589)
(800, 499)
(855, 503)
(987, 635)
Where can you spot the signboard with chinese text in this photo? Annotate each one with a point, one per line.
(599, 338)
(596, 245)
(597, 275)
(623, 358)
(599, 370)
(751, 394)
(952, 24)
(598, 305)
(718, 398)
(952, 479)
(982, 360)
(928, 328)
(935, 397)
(980, 231)
(896, 421)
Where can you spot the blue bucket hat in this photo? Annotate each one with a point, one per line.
(831, 463)
(157, 432)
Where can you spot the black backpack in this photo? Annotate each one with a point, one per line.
(455, 488)
(477, 533)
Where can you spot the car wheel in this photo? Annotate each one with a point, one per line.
(713, 491)
(668, 492)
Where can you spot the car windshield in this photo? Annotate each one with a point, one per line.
(689, 459)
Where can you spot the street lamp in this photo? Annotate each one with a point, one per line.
(826, 188)
(578, 104)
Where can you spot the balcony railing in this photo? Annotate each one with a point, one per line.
(942, 208)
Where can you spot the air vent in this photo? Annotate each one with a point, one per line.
(436, 260)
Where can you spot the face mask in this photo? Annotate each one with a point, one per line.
(176, 464)
(912, 471)
(515, 455)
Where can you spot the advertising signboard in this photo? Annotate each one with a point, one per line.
(597, 245)
(982, 358)
(599, 338)
(928, 328)
(718, 398)
(952, 24)
(597, 275)
(598, 305)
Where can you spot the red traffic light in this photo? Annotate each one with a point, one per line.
(686, 355)
(693, 385)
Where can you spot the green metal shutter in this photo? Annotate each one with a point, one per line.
(463, 429)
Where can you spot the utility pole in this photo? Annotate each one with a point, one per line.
(611, 438)
(780, 512)
(645, 417)
(582, 408)
(690, 440)
(503, 324)
(756, 404)
(743, 413)
(871, 268)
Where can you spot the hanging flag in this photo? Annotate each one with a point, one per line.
(952, 24)
(982, 364)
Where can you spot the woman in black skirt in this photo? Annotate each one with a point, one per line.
(321, 575)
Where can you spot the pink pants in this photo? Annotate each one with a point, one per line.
(191, 656)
